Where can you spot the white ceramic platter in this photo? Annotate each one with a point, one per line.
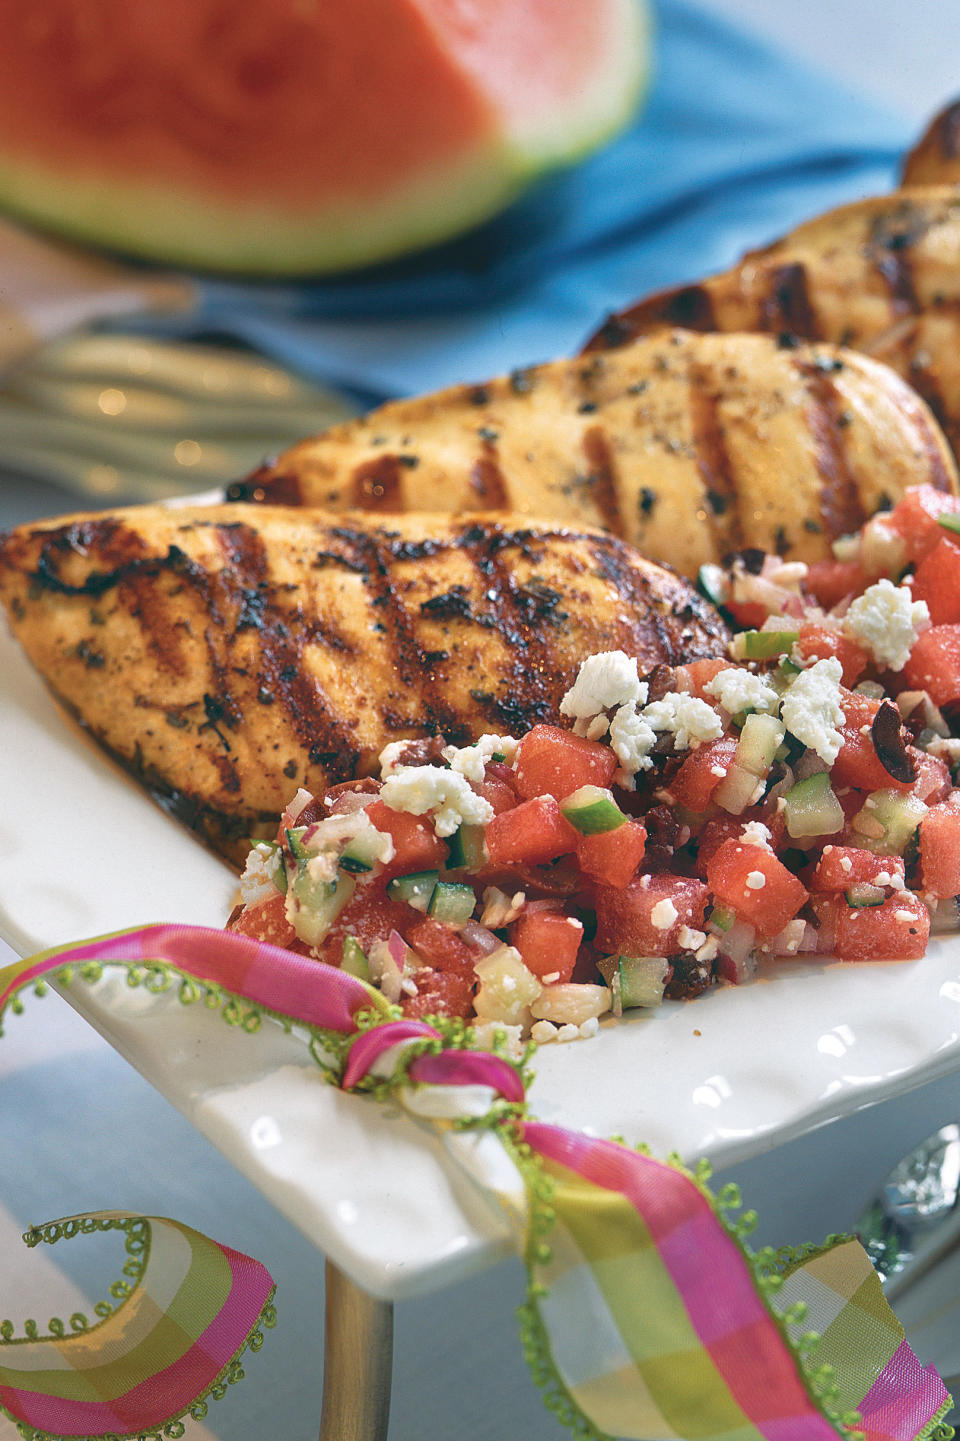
(83, 851)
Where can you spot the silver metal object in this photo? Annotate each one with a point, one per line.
(131, 418)
(914, 1220)
(358, 1362)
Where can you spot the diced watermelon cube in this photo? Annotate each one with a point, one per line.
(937, 581)
(266, 922)
(530, 834)
(613, 856)
(828, 581)
(841, 867)
(439, 993)
(934, 664)
(933, 783)
(694, 677)
(756, 885)
(857, 763)
(940, 851)
(418, 847)
(703, 770)
(896, 931)
(916, 517)
(548, 941)
(818, 642)
(441, 947)
(716, 831)
(555, 762)
(370, 915)
(645, 918)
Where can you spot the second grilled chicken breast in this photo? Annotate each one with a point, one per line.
(881, 276)
(229, 654)
(935, 159)
(689, 446)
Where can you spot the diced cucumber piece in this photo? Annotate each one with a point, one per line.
(295, 843)
(314, 905)
(760, 739)
(273, 858)
(722, 918)
(812, 809)
(862, 896)
(638, 981)
(887, 822)
(415, 889)
(714, 582)
(467, 849)
(592, 810)
(950, 522)
(451, 903)
(362, 852)
(354, 960)
(763, 644)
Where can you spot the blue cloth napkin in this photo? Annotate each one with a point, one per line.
(736, 144)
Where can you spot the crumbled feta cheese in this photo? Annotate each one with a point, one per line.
(551, 979)
(756, 881)
(738, 689)
(485, 1035)
(904, 916)
(499, 909)
(755, 833)
(789, 574)
(897, 883)
(886, 620)
(718, 771)
(945, 749)
(708, 950)
(589, 1027)
(419, 789)
(664, 914)
(690, 719)
(604, 682)
(846, 864)
(390, 757)
(690, 940)
(543, 1031)
(882, 878)
(471, 761)
(631, 740)
(811, 708)
(260, 874)
(568, 1032)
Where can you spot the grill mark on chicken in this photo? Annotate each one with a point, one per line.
(841, 507)
(266, 485)
(787, 306)
(689, 306)
(377, 485)
(283, 638)
(714, 462)
(371, 554)
(602, 478)
(487, 479)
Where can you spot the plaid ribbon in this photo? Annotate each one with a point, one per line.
(649, 1316)
(192, 1307)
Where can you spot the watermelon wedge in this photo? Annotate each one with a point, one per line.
(300, 136)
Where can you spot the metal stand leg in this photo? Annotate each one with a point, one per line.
(358, 1362)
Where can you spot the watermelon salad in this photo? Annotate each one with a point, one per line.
(792, 799)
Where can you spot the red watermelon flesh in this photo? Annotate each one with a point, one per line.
(296, 135)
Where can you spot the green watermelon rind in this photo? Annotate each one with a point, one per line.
(198, 232)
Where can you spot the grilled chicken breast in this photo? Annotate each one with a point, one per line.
(935, 159)
(229, 654)
(881, 276)
(689, 446)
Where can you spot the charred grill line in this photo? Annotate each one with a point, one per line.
(283, 637)
(377, 485)
(713, 462)
(602, 478)
(787, 305)
(840, 504)
(416, 672)
(487, 479)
